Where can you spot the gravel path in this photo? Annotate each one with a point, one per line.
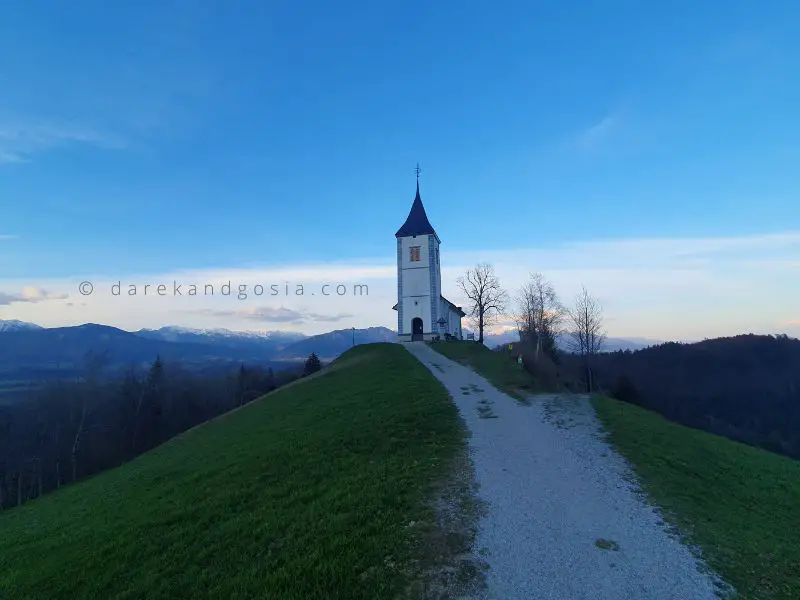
(565, 518)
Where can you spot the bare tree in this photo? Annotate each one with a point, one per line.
(539, 314)
(487, 299)
(587, 332)
(93, 371)
(132, 393)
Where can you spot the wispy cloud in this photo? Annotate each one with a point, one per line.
(743, 46)
(292, 274)
(623, 131)
(4, 236)
(698, 245)
(9, 157)
(317, 318)
(269, 314)
(30, 295)
(684, 254)
(20, 139)
(598, 133)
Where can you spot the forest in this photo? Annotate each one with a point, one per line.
(745, 388)
(74, 428)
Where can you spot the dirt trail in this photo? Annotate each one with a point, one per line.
(566, 519)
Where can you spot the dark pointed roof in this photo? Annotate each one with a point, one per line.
(417, 222)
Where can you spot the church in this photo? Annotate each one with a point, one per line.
(422, 312)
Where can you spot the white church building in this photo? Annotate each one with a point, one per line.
(422, 312)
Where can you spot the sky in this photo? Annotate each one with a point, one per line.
(649, 152)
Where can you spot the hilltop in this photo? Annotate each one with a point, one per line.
(319, 490)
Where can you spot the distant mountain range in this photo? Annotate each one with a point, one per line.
(275, 344)
(30, 352)
(248, 342)
(611, 344)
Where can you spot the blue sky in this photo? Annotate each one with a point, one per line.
(142, 139)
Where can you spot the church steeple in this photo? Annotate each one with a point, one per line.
(422, 312)
(417, 222)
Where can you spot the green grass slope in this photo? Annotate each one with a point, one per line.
(497, 367)
(305, 493)
(740, 504)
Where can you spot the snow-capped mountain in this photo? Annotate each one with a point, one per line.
(175, 333)
(254, 343)
(16, 325)
(563, 341)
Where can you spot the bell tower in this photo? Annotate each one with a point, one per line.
(419, 280)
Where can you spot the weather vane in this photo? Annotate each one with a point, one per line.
(417, 171)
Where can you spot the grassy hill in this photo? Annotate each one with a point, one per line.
(740, 505)
(310, 492)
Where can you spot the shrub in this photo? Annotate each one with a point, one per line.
(542, 368)
(625, 390)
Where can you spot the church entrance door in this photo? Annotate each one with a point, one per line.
(416, 329)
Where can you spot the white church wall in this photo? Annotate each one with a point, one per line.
(452, 317)
(416, 281)
(444, 312)
(416, 307)
(415, 293)
(457, 327)
(434, 284)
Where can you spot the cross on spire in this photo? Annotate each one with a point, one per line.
(417, 171)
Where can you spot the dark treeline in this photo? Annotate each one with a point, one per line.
(746, 388)
(69, 430)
